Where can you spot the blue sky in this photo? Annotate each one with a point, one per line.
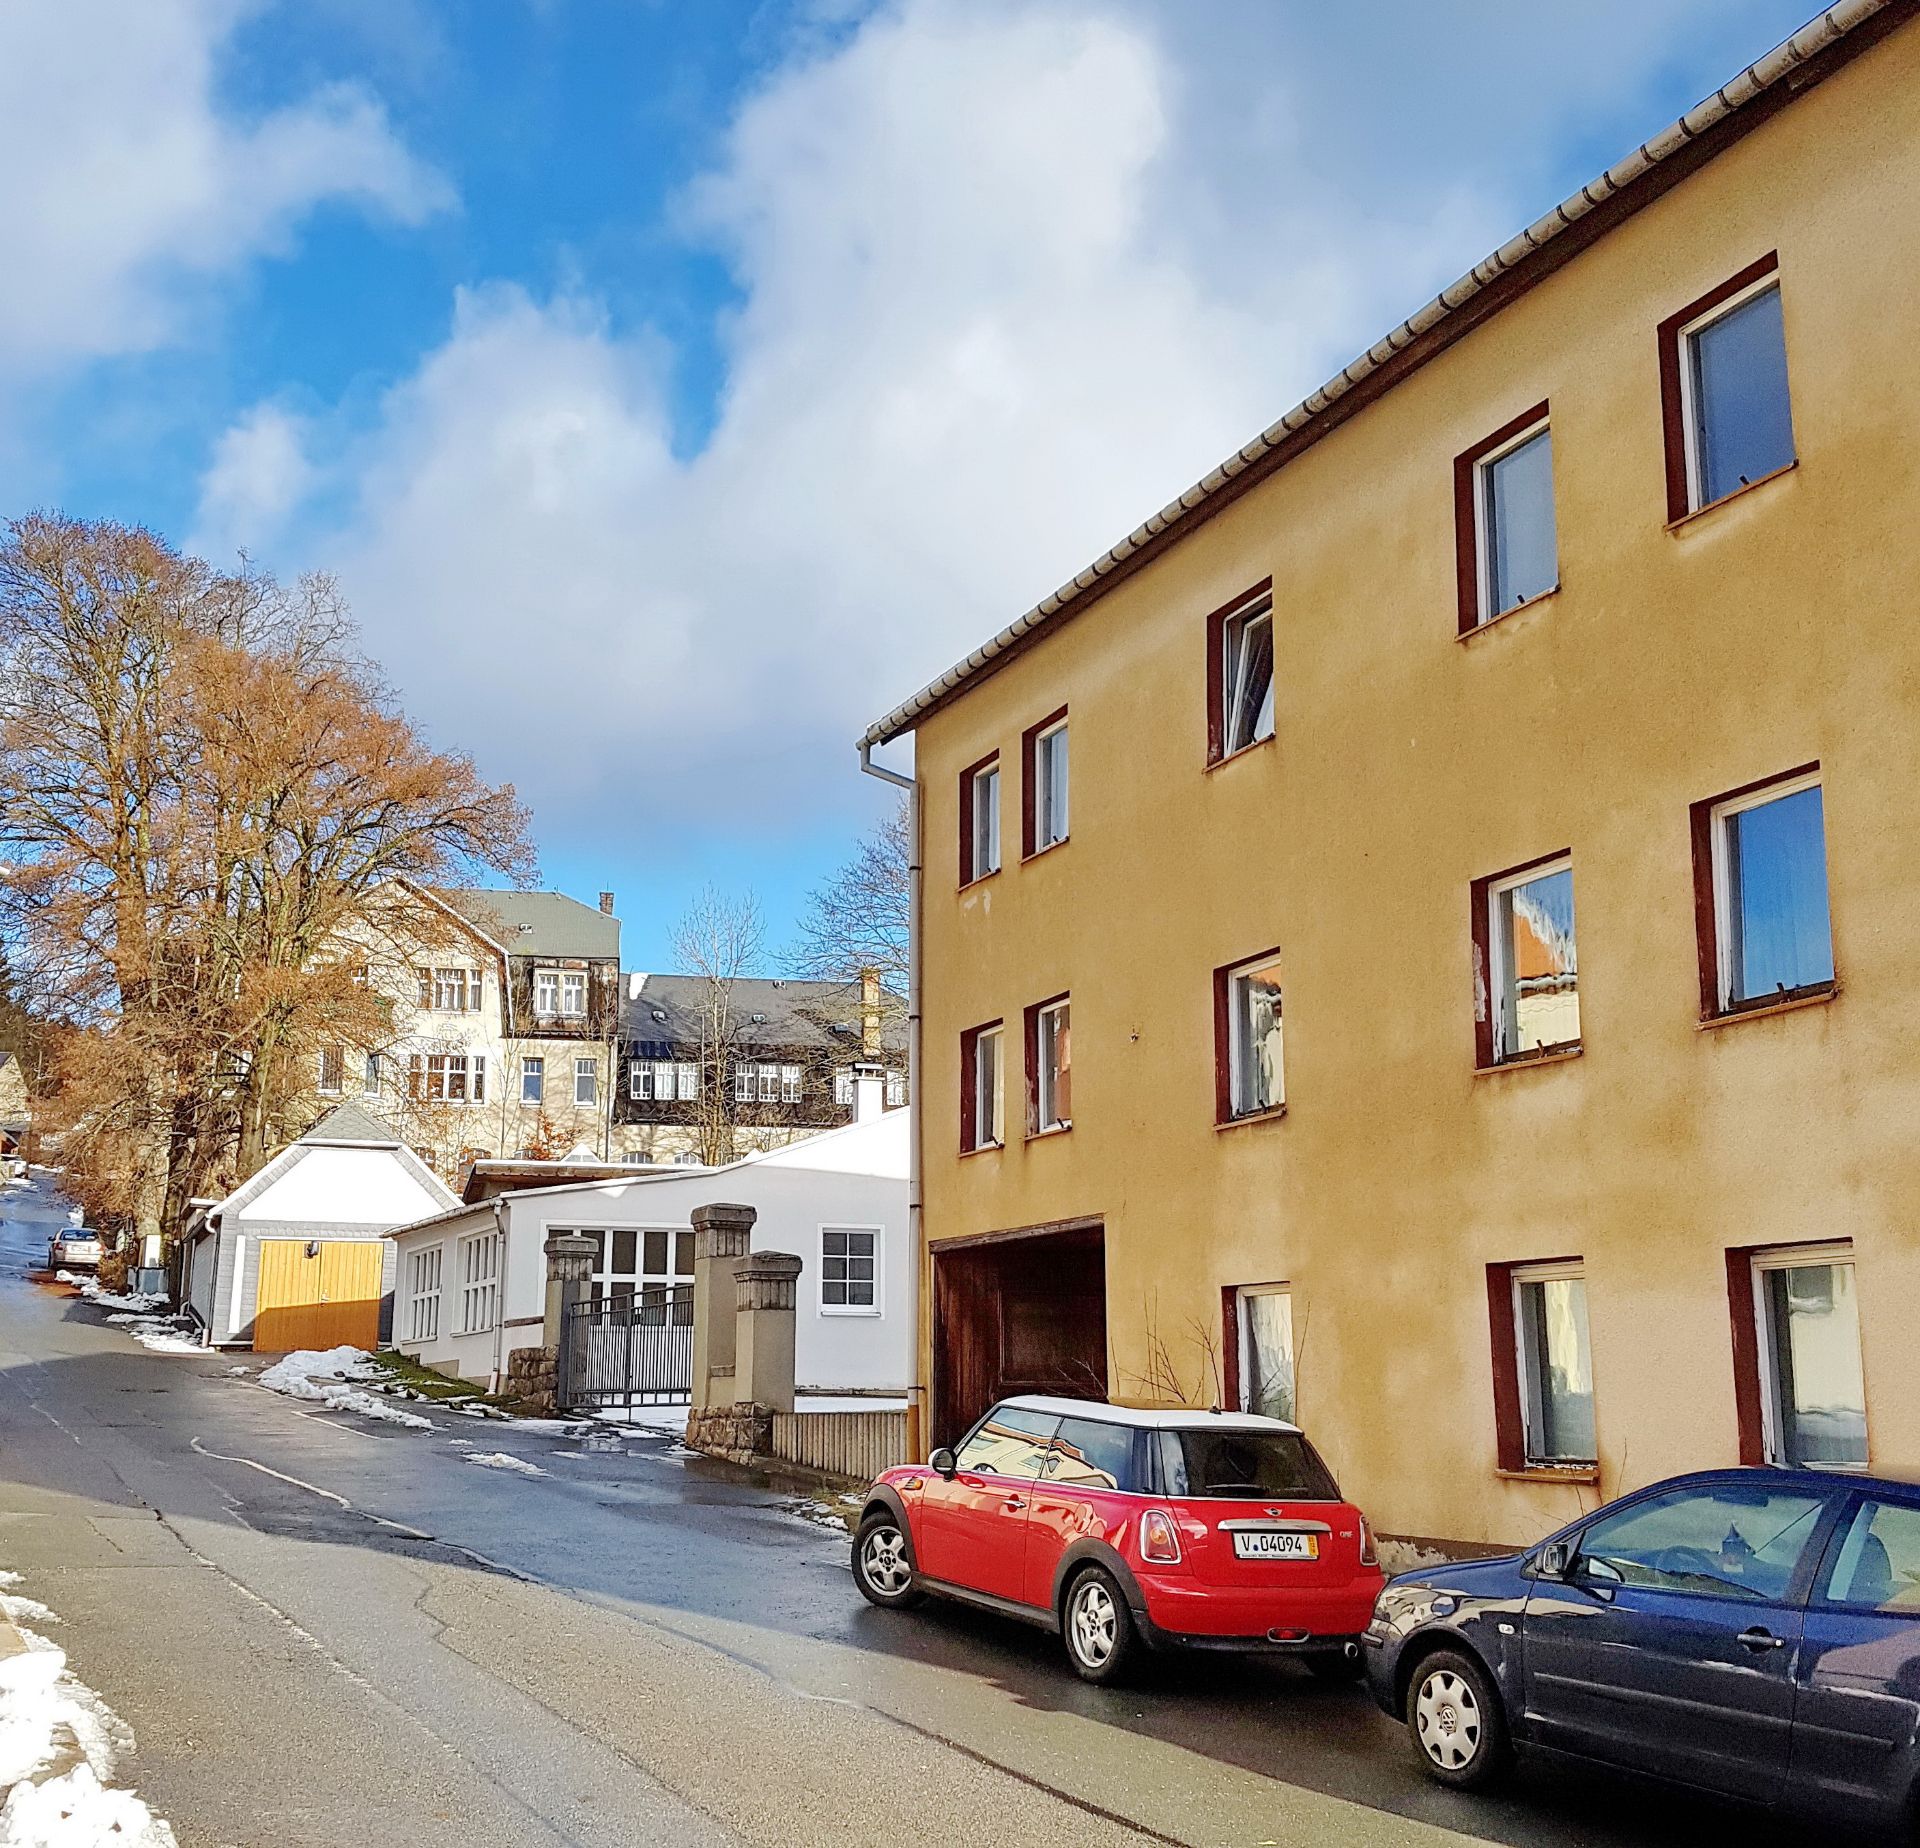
(674, 387)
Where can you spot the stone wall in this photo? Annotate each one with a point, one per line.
(533, 1380)
(737, 1433)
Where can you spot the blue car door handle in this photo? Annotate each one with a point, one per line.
(1758, 1639)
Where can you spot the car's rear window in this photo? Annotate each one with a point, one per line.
(1237, 1465)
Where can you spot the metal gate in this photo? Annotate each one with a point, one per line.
(633, 1347)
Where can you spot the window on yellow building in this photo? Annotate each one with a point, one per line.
(1527, 963)
(982, 1087)
(1050, 1066)
(1504, 520)
(1723, 377)
(1246, 677)
(980, 820)
(1249, 1061)
(1044, 802)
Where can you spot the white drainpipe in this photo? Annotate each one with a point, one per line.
(917, 1389)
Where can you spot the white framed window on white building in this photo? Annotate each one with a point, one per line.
(456, 991)
(1525, 944)
(850, 1270)
(423, 1294)
(333, 1071)
(1554, 1365)
(1771, 933)
(479, 1265)
(1263, 1319)
(370, 1076)
(896, 1089)
(1813, 1404)
(586, 1081)
(1516, 547)
(533, 1080)
(560, 993)
(448, 1077)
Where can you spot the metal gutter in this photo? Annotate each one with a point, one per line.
(1817, 36)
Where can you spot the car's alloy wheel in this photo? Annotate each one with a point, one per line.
(1098, 1627)
(1448, 1718)
(881, 1564)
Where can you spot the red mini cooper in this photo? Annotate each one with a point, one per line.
(1118, 1528)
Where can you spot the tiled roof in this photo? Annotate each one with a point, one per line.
(539, 923)
(769, 1012)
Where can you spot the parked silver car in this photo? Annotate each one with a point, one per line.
(74, 1248)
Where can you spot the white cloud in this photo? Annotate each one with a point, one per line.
(1010, 277)
(258, 476)
(129, 185)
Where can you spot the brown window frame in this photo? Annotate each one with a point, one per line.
(1030, 786)
(1483, 1048)
(1466, 517)
(1216, 628)
(1673, 404)
(1706, 903)
(970, 1144)
(1509, 1411)
(1030, 1051)
(1223, 1110)
(968, 874)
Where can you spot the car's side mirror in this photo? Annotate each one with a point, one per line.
(942, 1463)
(1554, 1562)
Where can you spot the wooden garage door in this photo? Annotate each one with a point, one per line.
(331, 1299)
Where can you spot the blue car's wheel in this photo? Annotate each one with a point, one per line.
(1456, 1721)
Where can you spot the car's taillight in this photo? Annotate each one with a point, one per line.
(1159, 1538)
(1368, 1557)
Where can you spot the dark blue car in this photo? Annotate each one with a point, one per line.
(1753, 1632)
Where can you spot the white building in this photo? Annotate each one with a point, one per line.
(471, 1283)
(297, 1256)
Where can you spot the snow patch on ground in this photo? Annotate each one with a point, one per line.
(161, 1335)
(25, 1610)
(141, 1302)
(322, 1376)
(46, 1715)
(646, 1417)
(499, 1459)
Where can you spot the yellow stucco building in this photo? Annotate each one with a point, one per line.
(1461, 993)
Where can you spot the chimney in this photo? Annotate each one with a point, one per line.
(869, 1093)
(606, 903)
(869, 1013)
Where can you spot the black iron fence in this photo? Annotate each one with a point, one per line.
(633, 1347)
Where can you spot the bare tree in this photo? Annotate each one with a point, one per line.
(859, 920)
(719, 939)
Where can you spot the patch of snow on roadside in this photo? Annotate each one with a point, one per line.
(45, 1714)
(75, 1812)
(25, 1610)
(161, 1335)
(499, 1459)
(141, 1302)
(321, 1376)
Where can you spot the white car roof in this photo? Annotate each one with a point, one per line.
(1184, 1418)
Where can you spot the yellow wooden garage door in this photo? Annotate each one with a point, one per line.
(331, 1299)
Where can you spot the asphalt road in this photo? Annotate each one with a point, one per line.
(328, 1631)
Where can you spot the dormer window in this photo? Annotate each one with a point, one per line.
(560, 993)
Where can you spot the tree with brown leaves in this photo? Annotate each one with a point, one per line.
(209, 805)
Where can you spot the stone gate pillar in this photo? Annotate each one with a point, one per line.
(721, 1233)
(569, 1276)
(763, 1340)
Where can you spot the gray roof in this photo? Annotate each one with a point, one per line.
(1620, 190)
(539, 923)
(794, 1013)
(350, 1123)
